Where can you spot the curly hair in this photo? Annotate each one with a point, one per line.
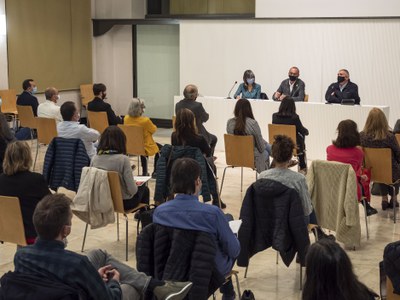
(282, 148)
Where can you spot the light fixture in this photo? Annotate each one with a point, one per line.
(3, 25)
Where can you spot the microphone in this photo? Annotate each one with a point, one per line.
(230, 91)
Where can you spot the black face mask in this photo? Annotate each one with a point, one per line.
(340, 79)
(292, 78)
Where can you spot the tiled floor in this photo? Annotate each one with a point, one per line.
(265, 278)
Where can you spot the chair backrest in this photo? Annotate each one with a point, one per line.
(380, 162)
(11, 224)
(98, 120)
(239, 150)
(173, 123)
(86, 93)
(9, 101)
(26, 116)
(306, 98)
(280, 129)
(389, 290)
(116, 194)
(46, 130)
(134, 139)
(397, 135)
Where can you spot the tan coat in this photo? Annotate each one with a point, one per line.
(333, 190)
(93, 203)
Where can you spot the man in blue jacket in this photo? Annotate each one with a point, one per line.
(342, 89)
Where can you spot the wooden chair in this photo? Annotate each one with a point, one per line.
(98, 120)
(9, 104)
(280, 129)
(46, 131)
(86, 93)
(306, 98)
(380, 162)
(26, 117)
(389, 291)
(229, 277)
(11, 224)
(134, 141)
(397, 135)
(116, 195)
(173, 123)
(239, 152)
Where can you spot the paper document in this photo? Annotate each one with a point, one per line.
(140, 180)
(235, 225)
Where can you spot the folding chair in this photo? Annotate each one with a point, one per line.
(98, 120)
(46, 131)
(11, 223)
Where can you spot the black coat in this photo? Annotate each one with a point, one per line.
(27, 99)
(98, 104)
(349, 92)
(391, 262)
(272, 215)
(167, 253)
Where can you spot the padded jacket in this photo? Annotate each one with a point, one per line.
(272, 215)
(167, 253)
(391, 262)
(167, 157)
(63, 163)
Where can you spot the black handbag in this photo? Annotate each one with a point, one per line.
(247, 295)
(145, 217)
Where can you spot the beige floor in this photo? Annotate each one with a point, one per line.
(266, 279)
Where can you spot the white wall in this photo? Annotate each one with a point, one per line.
(3, 54)
(213, 54)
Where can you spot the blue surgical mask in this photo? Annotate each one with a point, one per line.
(250, 80)
(34, 90)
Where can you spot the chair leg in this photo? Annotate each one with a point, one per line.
(245, 272)
(37, 151)
(241, 179)
(138, 165)
(277, 257)
(214, 297)
(84, 237)
(366, 217)
(126, 236)
(237, 284)
(117, 226)
(301, 277)
(222, 182)
(394, 203)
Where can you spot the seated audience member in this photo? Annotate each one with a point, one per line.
(287, 116)
(135, 117)
(376, 134)
(187, 212)
(248, 89)
(95, 276)
(18, 181)
(342, 89)
(345, 150)
(98, 104)
(71, 129)
(292, 87)
(282, 151)
(330, 276)
(6, 136)
(49, 109)
(27, 98)
(111, 156)
(244, 124)
(190, 93)
(186, 135)
(391, 264)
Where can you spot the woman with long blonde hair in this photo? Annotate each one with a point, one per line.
(377, 134)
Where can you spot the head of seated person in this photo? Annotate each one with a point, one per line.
(185, 126)
(190, 92)
(136, 108)
(329, 274)
(112, 141)
(348, 135)
(100, 90)
(282, 150)
(287, 107)
(376, 125)
(185, 177)
(249, 78)
(17, 158)
(242, 111)
(69, 112)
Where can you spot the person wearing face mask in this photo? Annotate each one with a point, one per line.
(27, 98)
(342, 89)
(291, 87)
(70, 128)
(249, 89)
(98, 104)
(49, 109)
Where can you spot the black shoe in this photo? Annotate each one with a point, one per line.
(216, 203)
(385, 205)
(320, 234)
(370, 210)
(154, 175)
(391, 203)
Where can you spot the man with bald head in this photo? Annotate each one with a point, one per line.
(190, 94)
(49, 109)
(292, 87)
(342, 89)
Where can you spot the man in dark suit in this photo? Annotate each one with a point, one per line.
(293, 87)
(27, 97)
(190, 93)
(98, 104)
(342, 89)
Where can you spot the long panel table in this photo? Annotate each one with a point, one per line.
(319, 118)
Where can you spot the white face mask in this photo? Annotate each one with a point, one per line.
(58, 97)
(34, 90)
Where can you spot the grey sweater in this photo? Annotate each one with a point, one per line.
(119, 163)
